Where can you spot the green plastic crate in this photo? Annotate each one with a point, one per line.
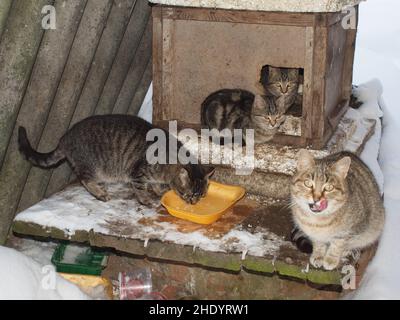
(88, 261)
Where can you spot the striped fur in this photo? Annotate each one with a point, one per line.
(283, 84)
(337, 204)
(240, 109)
(112, 148)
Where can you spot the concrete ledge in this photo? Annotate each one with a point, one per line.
(266, 5)
(291, 267)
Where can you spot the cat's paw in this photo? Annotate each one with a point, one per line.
(316, 261)
(330, 262)
(149, 202)
(104, 197)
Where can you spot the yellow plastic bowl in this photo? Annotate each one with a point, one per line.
(219, 198)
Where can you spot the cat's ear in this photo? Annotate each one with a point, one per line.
(273, 73)
(274, 70)
(209, 172)
(259, 103)
(341, 167)
(293, 74)
(183, 176)
(305, 160)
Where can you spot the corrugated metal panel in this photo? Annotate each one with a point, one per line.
(97, 61)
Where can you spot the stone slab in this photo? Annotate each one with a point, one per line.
(265, 5)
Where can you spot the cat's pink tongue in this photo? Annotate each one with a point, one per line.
(323, 204)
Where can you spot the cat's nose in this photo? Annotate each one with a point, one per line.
(317, 197)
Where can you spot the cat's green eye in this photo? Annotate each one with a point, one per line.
(328, 187)
(308, 183)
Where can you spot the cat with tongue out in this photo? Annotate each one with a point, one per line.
(337, 204)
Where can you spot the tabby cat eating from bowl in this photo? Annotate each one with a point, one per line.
(112, 148)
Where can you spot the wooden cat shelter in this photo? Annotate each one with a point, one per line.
(203, 46)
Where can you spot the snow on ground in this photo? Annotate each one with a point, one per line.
(378, 56)
(40, 251)
(146, 109)
(25, 279)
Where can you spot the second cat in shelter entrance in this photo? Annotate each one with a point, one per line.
(284, 84)
(240, 109)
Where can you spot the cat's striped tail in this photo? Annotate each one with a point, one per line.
(43, 160)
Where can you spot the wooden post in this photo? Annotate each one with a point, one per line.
(157, 64)
(5, 6)
(71, 84)
(36, 104)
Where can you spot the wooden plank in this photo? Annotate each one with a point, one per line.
(241, 16)
(135, 73)
(316, 117)
(157, 64)
(141, 91)
(39, 95)
(17, 55)
(335, 103)
(350, 47)
(5, 6)
(307, 86)
(71, 84)
(97, 76)
(168, 75)
(124, 58)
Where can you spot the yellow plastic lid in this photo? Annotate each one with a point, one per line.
(219, 198)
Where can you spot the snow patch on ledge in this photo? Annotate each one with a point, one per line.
(266, 5)
(74, 209)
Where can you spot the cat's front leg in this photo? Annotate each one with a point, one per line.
(334, 254)
(160, 188)
(145, 195)
(318, 254)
